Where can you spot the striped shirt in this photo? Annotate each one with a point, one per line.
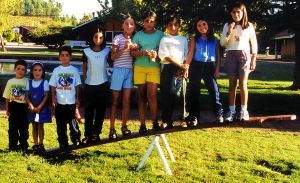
(125, 60)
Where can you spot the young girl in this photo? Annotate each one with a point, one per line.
(122, 75)
(173, 49)
(37, 90)
(204, 59)
(239, 63)
(96, 87)
(147, 68)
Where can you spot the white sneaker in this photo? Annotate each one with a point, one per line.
(244, 115)
(229, 116)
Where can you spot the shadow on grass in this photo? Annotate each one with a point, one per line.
(280, 166)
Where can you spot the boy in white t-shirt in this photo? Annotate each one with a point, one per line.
(64, 82)
(173, 49)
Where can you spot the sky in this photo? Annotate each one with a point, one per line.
(79, 7)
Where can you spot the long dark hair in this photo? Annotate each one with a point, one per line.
(32, 67)
(101, 30)
(244, 21)
(209, 34)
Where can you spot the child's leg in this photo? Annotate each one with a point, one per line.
(90, 101)
(41, 132)
(126, 105)
(167, 98)
(23, 126)
(232, 90)
(61, 125)
(142, 104)
(12, 133)
(212, 87)
(102, 97)
(152, 99)
(35, 133)
(243, 85)
(195, 88)
(114, 107)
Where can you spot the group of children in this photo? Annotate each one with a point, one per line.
(147, 59)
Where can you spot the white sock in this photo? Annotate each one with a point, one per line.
(244, 107)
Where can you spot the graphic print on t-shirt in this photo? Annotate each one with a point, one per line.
(65, 80)
(18, 92)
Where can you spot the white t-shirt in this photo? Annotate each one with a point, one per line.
(96, 66)
(175, 46)
(65, 80)
(36, 84)
(125, 60)
(239, 39)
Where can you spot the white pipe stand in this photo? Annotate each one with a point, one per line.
(155, 143)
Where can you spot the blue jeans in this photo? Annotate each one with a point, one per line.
(205, 71)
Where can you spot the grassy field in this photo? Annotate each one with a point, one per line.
(267, 152)
(253, 153)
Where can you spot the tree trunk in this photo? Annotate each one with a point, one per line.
(296, 82)
(2, 43)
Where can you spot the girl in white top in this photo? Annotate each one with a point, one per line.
(96, 88)
(122, 75)
(239, 63)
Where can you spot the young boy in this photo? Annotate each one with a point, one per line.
(147, 68)
(173, 50)
(16, 108)
(64, 82)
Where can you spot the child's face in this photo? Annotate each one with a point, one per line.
(37, 72)
(98, 38)
(64, 58)
(236, 14)
(129, 26)
(149, 23)
(202, 27)
(173, 27)
(20, 71)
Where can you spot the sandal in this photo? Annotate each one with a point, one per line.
(125, 131)
(112, 134)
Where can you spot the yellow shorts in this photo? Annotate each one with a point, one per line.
(141, 75)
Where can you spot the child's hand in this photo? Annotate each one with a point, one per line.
(54, 103)
(152, 54)
(7, 114)
(37, 109)
(184, 66)
(31, 107)
(186, 73)
(230, 28)
(134, 47)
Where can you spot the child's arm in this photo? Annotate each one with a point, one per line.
(30, 105)
(218, 60)
(190, 56)
(7, 107)
(77, 96)
(53, 96)
(84, 70)
(39, 107)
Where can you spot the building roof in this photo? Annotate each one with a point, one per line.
(286, 34)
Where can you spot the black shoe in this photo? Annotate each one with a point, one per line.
(95, 138)
(125, 131)
(112, 134)
(35, 149)
(41, 149)
(86, 140)
(192, 121)
(156, 126)
(76, 143)
(64, 149)
(143, 129)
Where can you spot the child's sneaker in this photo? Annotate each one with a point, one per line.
(244, 115)
(156, 126)
(143, 129)
(35, 149)
(230, 116)
(41, 149)
(192, 121)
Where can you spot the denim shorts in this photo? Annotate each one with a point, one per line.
(237, 63)
(121, 78)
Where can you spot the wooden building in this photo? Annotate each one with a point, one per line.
(285, 45)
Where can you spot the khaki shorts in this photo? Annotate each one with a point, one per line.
(237, 63)
(141, 75)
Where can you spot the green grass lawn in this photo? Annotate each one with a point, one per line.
(253, 153)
